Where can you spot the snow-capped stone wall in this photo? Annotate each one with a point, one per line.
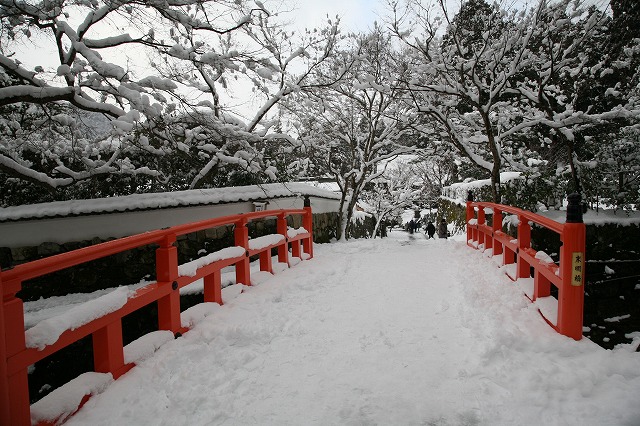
(79, 220)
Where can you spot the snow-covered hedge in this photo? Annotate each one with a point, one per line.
(457, 192)
(527, 191)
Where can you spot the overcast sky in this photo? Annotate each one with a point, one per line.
(356, 15)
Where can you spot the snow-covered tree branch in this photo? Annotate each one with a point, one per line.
(496, 74)
(200, 80)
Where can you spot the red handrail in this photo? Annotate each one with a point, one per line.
(106, 331)
(567, 276)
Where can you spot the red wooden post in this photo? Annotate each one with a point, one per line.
(524, 242)
(166, 275)
(18, 409)
(213, 287)
(541, 285)
(307, 223)
(572, 271)
(265, 261)
(108, 355)
(508, 256)
(470, 215)
(481, 221)
(241, 235)
(5, 406)
(488, 239)
(496, 226)
(283, 250)
(295, 248)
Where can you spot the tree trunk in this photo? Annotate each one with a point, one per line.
(379, 220)
(495, 184)
(342, 219)
(353, 200)
(577, 186)
(495, 156)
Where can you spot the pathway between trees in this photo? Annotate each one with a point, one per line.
(396, 331)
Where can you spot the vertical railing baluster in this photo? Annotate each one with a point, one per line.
(265, 261)
(524, 242)
(481, 221)
(166, 275)
(213, 287)
(497, 226)
(283, 249)
(108, 354)
(307, 222)
(241, 236)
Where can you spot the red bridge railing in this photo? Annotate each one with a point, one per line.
(567, 275)
(106, 331)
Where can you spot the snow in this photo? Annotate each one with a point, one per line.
(145, 346)
(400, 330)
(63, 401)
(457, 192)
(48, 331)
(197, 313)
(617, 319)
(600, 217)
(265, 73)
(265, 241)
(527, 285)
(190, 268)
(158, 83)
(359, 216)
(511, 270)
(293, 232)
(544, 257)
(548, 307)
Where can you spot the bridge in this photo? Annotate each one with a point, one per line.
(402, 330)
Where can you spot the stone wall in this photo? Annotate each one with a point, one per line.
(132, 266)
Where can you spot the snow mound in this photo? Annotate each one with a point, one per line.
(48, 331)
(197, 313)
(145, 346)
(64, 401)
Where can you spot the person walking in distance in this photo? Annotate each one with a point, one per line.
(431, 230)
(442, 229)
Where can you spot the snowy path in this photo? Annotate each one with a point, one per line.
(377, 332)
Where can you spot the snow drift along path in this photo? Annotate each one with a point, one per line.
(396, 331)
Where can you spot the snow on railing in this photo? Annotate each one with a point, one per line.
(102, 317)
(518, 258)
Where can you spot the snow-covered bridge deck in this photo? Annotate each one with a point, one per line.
(399, 331)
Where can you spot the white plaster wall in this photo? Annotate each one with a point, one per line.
(115, 225)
